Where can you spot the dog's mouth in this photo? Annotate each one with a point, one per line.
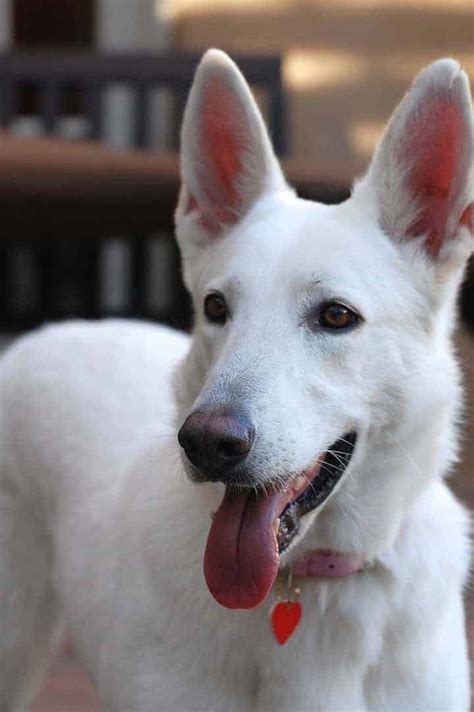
(318, 485)
(251, 529)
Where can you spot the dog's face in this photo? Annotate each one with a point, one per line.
(321, 331)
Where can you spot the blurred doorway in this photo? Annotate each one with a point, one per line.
(53, 24)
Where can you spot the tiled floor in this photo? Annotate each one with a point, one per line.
(69, 690)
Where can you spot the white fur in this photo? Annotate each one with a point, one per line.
(100, 526)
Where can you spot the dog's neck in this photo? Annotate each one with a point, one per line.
(366, 515)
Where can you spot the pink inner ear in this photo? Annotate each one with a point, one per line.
(467, 217)
(206, 221)
(434, 143)
(223, 142)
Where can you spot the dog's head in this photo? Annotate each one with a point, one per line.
(320, 379)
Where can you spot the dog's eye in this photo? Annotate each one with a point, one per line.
(337, 316)
(215, 308)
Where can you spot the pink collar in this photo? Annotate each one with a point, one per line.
(287, 612)
(327, 563)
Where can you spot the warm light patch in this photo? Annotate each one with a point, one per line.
(314, 69)
(404, 66)
(172, 9)
(310, 69)
(363, 137)
(440, 5)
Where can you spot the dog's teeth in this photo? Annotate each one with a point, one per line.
(276, 525)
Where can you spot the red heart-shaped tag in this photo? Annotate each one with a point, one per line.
(285, 617)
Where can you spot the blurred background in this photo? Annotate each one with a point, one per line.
(91, 98)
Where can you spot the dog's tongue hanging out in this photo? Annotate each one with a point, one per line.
(241, 559)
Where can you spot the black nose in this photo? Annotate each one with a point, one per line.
(216, 442)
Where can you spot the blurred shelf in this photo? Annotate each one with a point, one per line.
(61, 189)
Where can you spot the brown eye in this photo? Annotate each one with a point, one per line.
(215, 308)
(337, 316)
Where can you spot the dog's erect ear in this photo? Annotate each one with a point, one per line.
(421, 171)
(227, 160)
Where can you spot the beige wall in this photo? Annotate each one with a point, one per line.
(347, 62)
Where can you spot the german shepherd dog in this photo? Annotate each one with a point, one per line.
(161, 495)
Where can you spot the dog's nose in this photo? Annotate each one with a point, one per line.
(216, 441)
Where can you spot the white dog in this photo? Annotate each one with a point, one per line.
(316, 405)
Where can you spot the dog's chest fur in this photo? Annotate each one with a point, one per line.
(145, 621)
(130, 530)
(361, 643)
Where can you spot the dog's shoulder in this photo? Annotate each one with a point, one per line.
(433, 544)
(62, 352)
(85, 388)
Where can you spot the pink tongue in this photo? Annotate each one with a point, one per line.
(241, 559)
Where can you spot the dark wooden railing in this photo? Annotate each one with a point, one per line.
(51, 75)
(53, 246)
(62, 204)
